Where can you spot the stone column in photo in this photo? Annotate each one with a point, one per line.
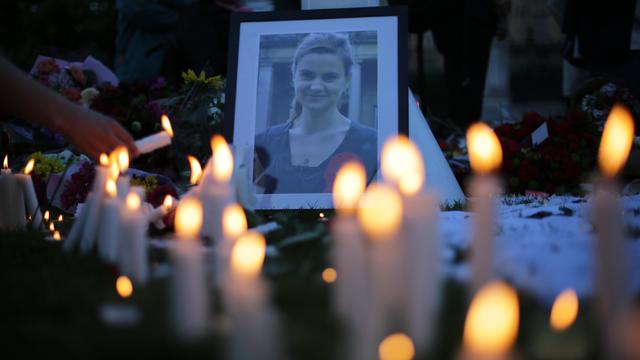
(355, 92)
(265, 84)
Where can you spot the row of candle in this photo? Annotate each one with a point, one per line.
(386, 249)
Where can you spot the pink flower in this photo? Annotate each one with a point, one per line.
(46, 67)
(72, 94)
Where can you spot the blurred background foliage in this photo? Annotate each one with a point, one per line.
(69, 29)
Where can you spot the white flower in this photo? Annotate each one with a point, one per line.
(87, 95)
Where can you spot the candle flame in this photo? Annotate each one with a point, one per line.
(248, 253)
(46, 215)
(617, 138)
(396, 346)
(329, 275)
(60, 218)
(222, 159)
(166, 124)
(348, 187)
(124, 287)
(29, 167)
(485, 152)
(492, 321)
(380, 212)
(402, 164)
(133, 200)
(196, 170)
(564, 310)
(114, 171)
(168, 201)
(234, 221)
(104, 159)
(56, 235)
(119, 158)
(5, 162)
(188, 219)
(110, 188)
(52, 227)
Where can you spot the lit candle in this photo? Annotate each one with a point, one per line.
(33, 209)
(189, 288)
(234, 224)
(118, 166)
(46, 216)
(350, 295)
(11, 199)
(614, 294)
(156, 215)
(564, 310)
(132, 248)
(109, 225)
(215, 190)
(7, 189)
(396, 346)
(403, 166)
(93, 205)
(13, 206)
(60, 218)
(491, 327)
(121, 313)
(77, 229)
(485, 156)
(256, 333)
(380, 215)
(158, 140)
(196, 170)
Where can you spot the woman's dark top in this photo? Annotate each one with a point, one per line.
(274, 152)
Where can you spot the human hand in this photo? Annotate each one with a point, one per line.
(93, 133)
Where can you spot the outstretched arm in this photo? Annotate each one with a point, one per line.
(91, 132)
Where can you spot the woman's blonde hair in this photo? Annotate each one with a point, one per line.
(321, 43)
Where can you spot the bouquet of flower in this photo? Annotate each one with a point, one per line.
(597, 104)
(556, 165)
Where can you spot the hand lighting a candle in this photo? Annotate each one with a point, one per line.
(156, 141)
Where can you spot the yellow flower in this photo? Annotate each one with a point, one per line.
(190, 77)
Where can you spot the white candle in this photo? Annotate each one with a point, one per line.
(380, 215)
(12, 209)
(351, 291)
(109, 224)
(33, 209)
(132, 248)
(92, 210)
(256, 333)
(215, 190)
(614, 293)
(156, 215)
(158, 140)
(189, 290)
(234, 224)
(403, 166)
(485, 155)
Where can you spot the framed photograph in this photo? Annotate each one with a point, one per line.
(308, 91)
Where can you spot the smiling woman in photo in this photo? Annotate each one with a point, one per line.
(303, 154)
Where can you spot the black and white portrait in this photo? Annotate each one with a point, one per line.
(311, 95)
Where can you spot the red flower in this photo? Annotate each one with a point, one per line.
(509, 147)
(531, 121)
(528, 171)
(47, 66)
(72, 94)
(504, 130)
